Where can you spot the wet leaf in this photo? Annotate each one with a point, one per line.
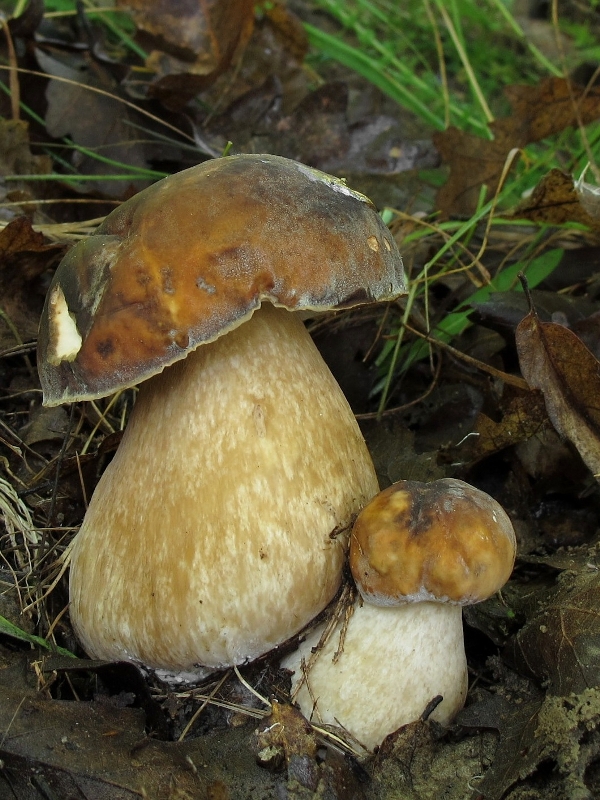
(26, 24)
(485, 712)
(16, 159)
(588, 330)
(537, 270)
(519, 751)
(564, 731)
(560, 645)
(46, 424)
(249, 102)
(553, 462)
(201, 33)
(538, 112)
(575, 559)
(100, 751)
(378, 146)
(554, 360)
(504, 310)
(474, 162)
(404, 753)
(392, 447)
(317, 130)
(98, 124)
(550, 107)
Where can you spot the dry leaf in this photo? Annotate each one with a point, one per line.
(523, 417)
(24, 256)
(555, 360)
(15, 155)
(589, 197)
(538, 112)
(556, 200)
(285, 733)
(193, 42)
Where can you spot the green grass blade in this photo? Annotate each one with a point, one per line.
(354, 59)
(8, 629)
(75, 178)
(500, 6)
(458, 321)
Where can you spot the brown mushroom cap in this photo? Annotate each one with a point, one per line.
(444, 540)
(193, 256)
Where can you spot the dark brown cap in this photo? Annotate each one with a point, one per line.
(443, 541)
(193, 256)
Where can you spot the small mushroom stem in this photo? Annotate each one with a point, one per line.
(210, 537)
(394, 661)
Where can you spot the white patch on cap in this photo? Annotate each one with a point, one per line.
(65, 339)
(337, 184)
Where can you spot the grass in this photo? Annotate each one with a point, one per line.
(7, 628)
(445, 61)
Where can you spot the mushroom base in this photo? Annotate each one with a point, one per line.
(394, 662)
(216, 533)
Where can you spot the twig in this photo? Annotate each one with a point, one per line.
(396, 409)
(512, 380)
(206, 701)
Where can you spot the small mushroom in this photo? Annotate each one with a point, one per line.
(418, 553)
(210, 538)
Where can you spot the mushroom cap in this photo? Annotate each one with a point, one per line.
(444, 541)
(193, 256)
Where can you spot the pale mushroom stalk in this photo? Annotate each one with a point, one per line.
(419, 552)
(217, 532)
(393, 663)
(270, 491)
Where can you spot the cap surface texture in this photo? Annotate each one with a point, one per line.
(193, 256)
(445, 541)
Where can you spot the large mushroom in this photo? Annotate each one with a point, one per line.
(214, 534)
(418, 553)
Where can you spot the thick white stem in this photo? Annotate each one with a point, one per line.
(394, 662)
(211, 537)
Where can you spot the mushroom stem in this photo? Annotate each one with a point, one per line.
(394, 661)
(418, 552)
(247, 460)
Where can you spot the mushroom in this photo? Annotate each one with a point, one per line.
(212, 536)
(418, 553)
